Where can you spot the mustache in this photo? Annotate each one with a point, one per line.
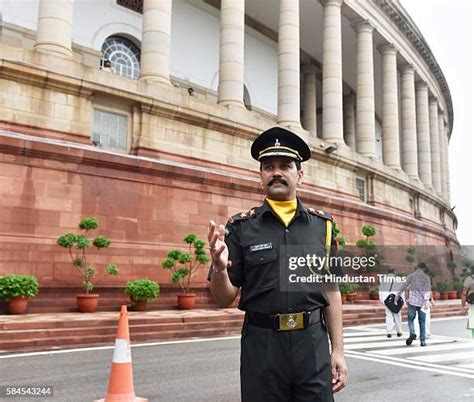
(277, 180)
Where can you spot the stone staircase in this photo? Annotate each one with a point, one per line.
(50, 331)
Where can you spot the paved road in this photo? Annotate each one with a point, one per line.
(380, 369)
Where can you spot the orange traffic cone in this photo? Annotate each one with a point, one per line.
(121, 376)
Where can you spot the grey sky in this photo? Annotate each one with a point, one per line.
(447, 26)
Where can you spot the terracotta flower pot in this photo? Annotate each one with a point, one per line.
(452, 294)
(436, 295)
(87, 303)
(351, 296)
(373, 296)
(139, 305)
(444, 295)
(343, 298)
(459, 294)
(18, 305)
(186, 300)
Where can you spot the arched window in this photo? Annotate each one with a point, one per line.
(123, 54)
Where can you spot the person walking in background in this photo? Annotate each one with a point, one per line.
(427, 310)
(419, 286)
(467, 300)
(393, 321)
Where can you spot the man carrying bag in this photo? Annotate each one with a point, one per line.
(393, 305)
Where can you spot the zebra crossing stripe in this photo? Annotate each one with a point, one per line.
(388, 344)
(409, 365)
(445, 357)
(412, 363)
(428, 349)
(357, 334)
(467, 366)
(379, 338)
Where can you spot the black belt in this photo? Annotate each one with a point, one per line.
(284, 322)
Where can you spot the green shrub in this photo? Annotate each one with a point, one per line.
(353, 287)
(344, 288)
(368, 230)
(18, 286)
(183, 264)
(78, 245)
(374, 290)
(442, 287)
(142, 289)
(457, 286)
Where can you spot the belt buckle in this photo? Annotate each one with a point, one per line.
(290, 322)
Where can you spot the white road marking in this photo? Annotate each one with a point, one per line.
(413, 362)
(372, 337)
(445, 357)
(468, 366)
(138, 345)
(354, 334)
(392, 343)
(411, 366)
(428, 349)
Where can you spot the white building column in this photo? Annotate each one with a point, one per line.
(289, 64)
(423, 134)
(409, 141)
(349, 121)
(390, 125)
(309, 100)
(434, 140)
(442, 154)
(54, 32)
(231, 53)
(365, 106)
(332, 72)
(155, 51)
(448, 180)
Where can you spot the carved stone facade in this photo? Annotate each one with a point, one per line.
(186, 158)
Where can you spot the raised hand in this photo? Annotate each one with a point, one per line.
(217, 247)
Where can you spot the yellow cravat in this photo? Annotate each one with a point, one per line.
(285, 210)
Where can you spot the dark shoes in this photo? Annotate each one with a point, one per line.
(399, 334)
(422, 343)
(410, 339)
(389, 335)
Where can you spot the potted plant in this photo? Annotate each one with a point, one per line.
(374, 293)
(411, 255)
(458, 288)
(369, 248)
(140, 291)
(183, 264)
(340, 239)
(443, 288)
(77, 245)
(352, 294)
(16, 290)
(344, 288)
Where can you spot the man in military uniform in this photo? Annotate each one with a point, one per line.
(284, 348)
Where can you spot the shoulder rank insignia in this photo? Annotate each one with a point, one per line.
(242, 216)
(320, 213)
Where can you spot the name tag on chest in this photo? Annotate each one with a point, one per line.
(260, 247)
